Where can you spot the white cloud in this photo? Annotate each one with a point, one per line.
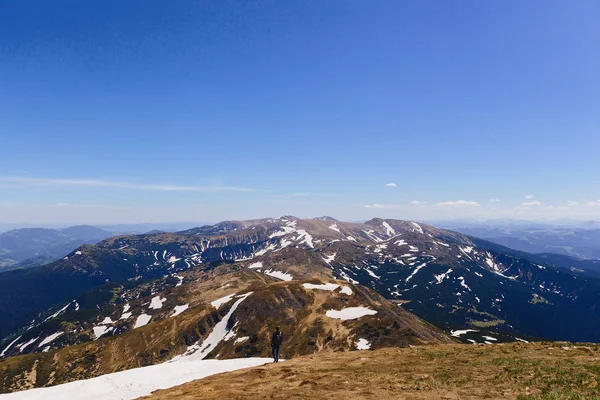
(381, 206)
(458, 203)
(418, 203)
(572, 203)
(531, 204)
(390, 185)
(529, 197)
(494, 200)
(594, 203)
(91, 183)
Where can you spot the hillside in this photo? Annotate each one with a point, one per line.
(449, 279)
(539, 371)
(227, 316)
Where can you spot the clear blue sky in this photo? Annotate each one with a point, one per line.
(182, 110)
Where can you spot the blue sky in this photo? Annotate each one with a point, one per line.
(146, 111)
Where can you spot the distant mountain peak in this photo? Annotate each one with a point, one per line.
(325, 218)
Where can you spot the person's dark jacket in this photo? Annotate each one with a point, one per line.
(276, 339)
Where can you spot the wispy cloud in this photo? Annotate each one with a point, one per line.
(529, 197)
(418, 203)
(381, 205)
(93, 183)
(102, 206)
(391, 184)
(572, 203)
(531, 204)
(494, 200)
(458, 203)
(594, 203)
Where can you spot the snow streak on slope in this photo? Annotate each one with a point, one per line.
(135, 383)
(200, 351)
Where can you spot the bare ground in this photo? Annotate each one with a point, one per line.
(548, 371)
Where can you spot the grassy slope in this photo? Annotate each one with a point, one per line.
(535, 371)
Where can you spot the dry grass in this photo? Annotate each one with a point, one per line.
(537, 371)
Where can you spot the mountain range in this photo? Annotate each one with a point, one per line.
(216, 291)
(28, 247)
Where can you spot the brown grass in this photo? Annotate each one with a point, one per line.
(540, 371)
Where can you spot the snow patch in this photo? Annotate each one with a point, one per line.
(346, 290)
(415, 271)
(157, 303)
(419, 229)
(256, 265)
(350, 313)
(179, 309)
(323, 286)
(135, 383)
(142, 320)
(50, 338)
(200, 351)
(334, 228)
(458, 333)
(101, 330)
(223, 300)
(363, 344)
(390, 231)
(279, 275)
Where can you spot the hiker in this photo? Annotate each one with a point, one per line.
(276, 340)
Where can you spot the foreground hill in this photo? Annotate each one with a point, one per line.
(537, 371)
(223, 316)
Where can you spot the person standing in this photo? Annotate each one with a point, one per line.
(276, 340)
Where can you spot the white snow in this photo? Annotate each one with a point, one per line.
(223, 300)
(78, 253)
(279, 275)
(173, 260)
(101, 330)
(490, 338)
(415, 271)
(106, 321)
(351, 238)
(256, 265)
(126, 307)
(27, 344)
(241, 339)
(521, 340)
(157, 303)
(346, 290)
(390, 231)
(142, 320)
(363, 344)
(329, 259)
(372, 274)
(200, 351)
(459, 332)
(56, 314)
(412, 248)
(440, 278)
(136, 383)
(334, 228)
(478, 274)
(306, 238)
(419, 229)
(350, 313)
(323, 286)
(179, 309)
(9, 346)
(126, 315)
(463, 284)
(401, 242)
